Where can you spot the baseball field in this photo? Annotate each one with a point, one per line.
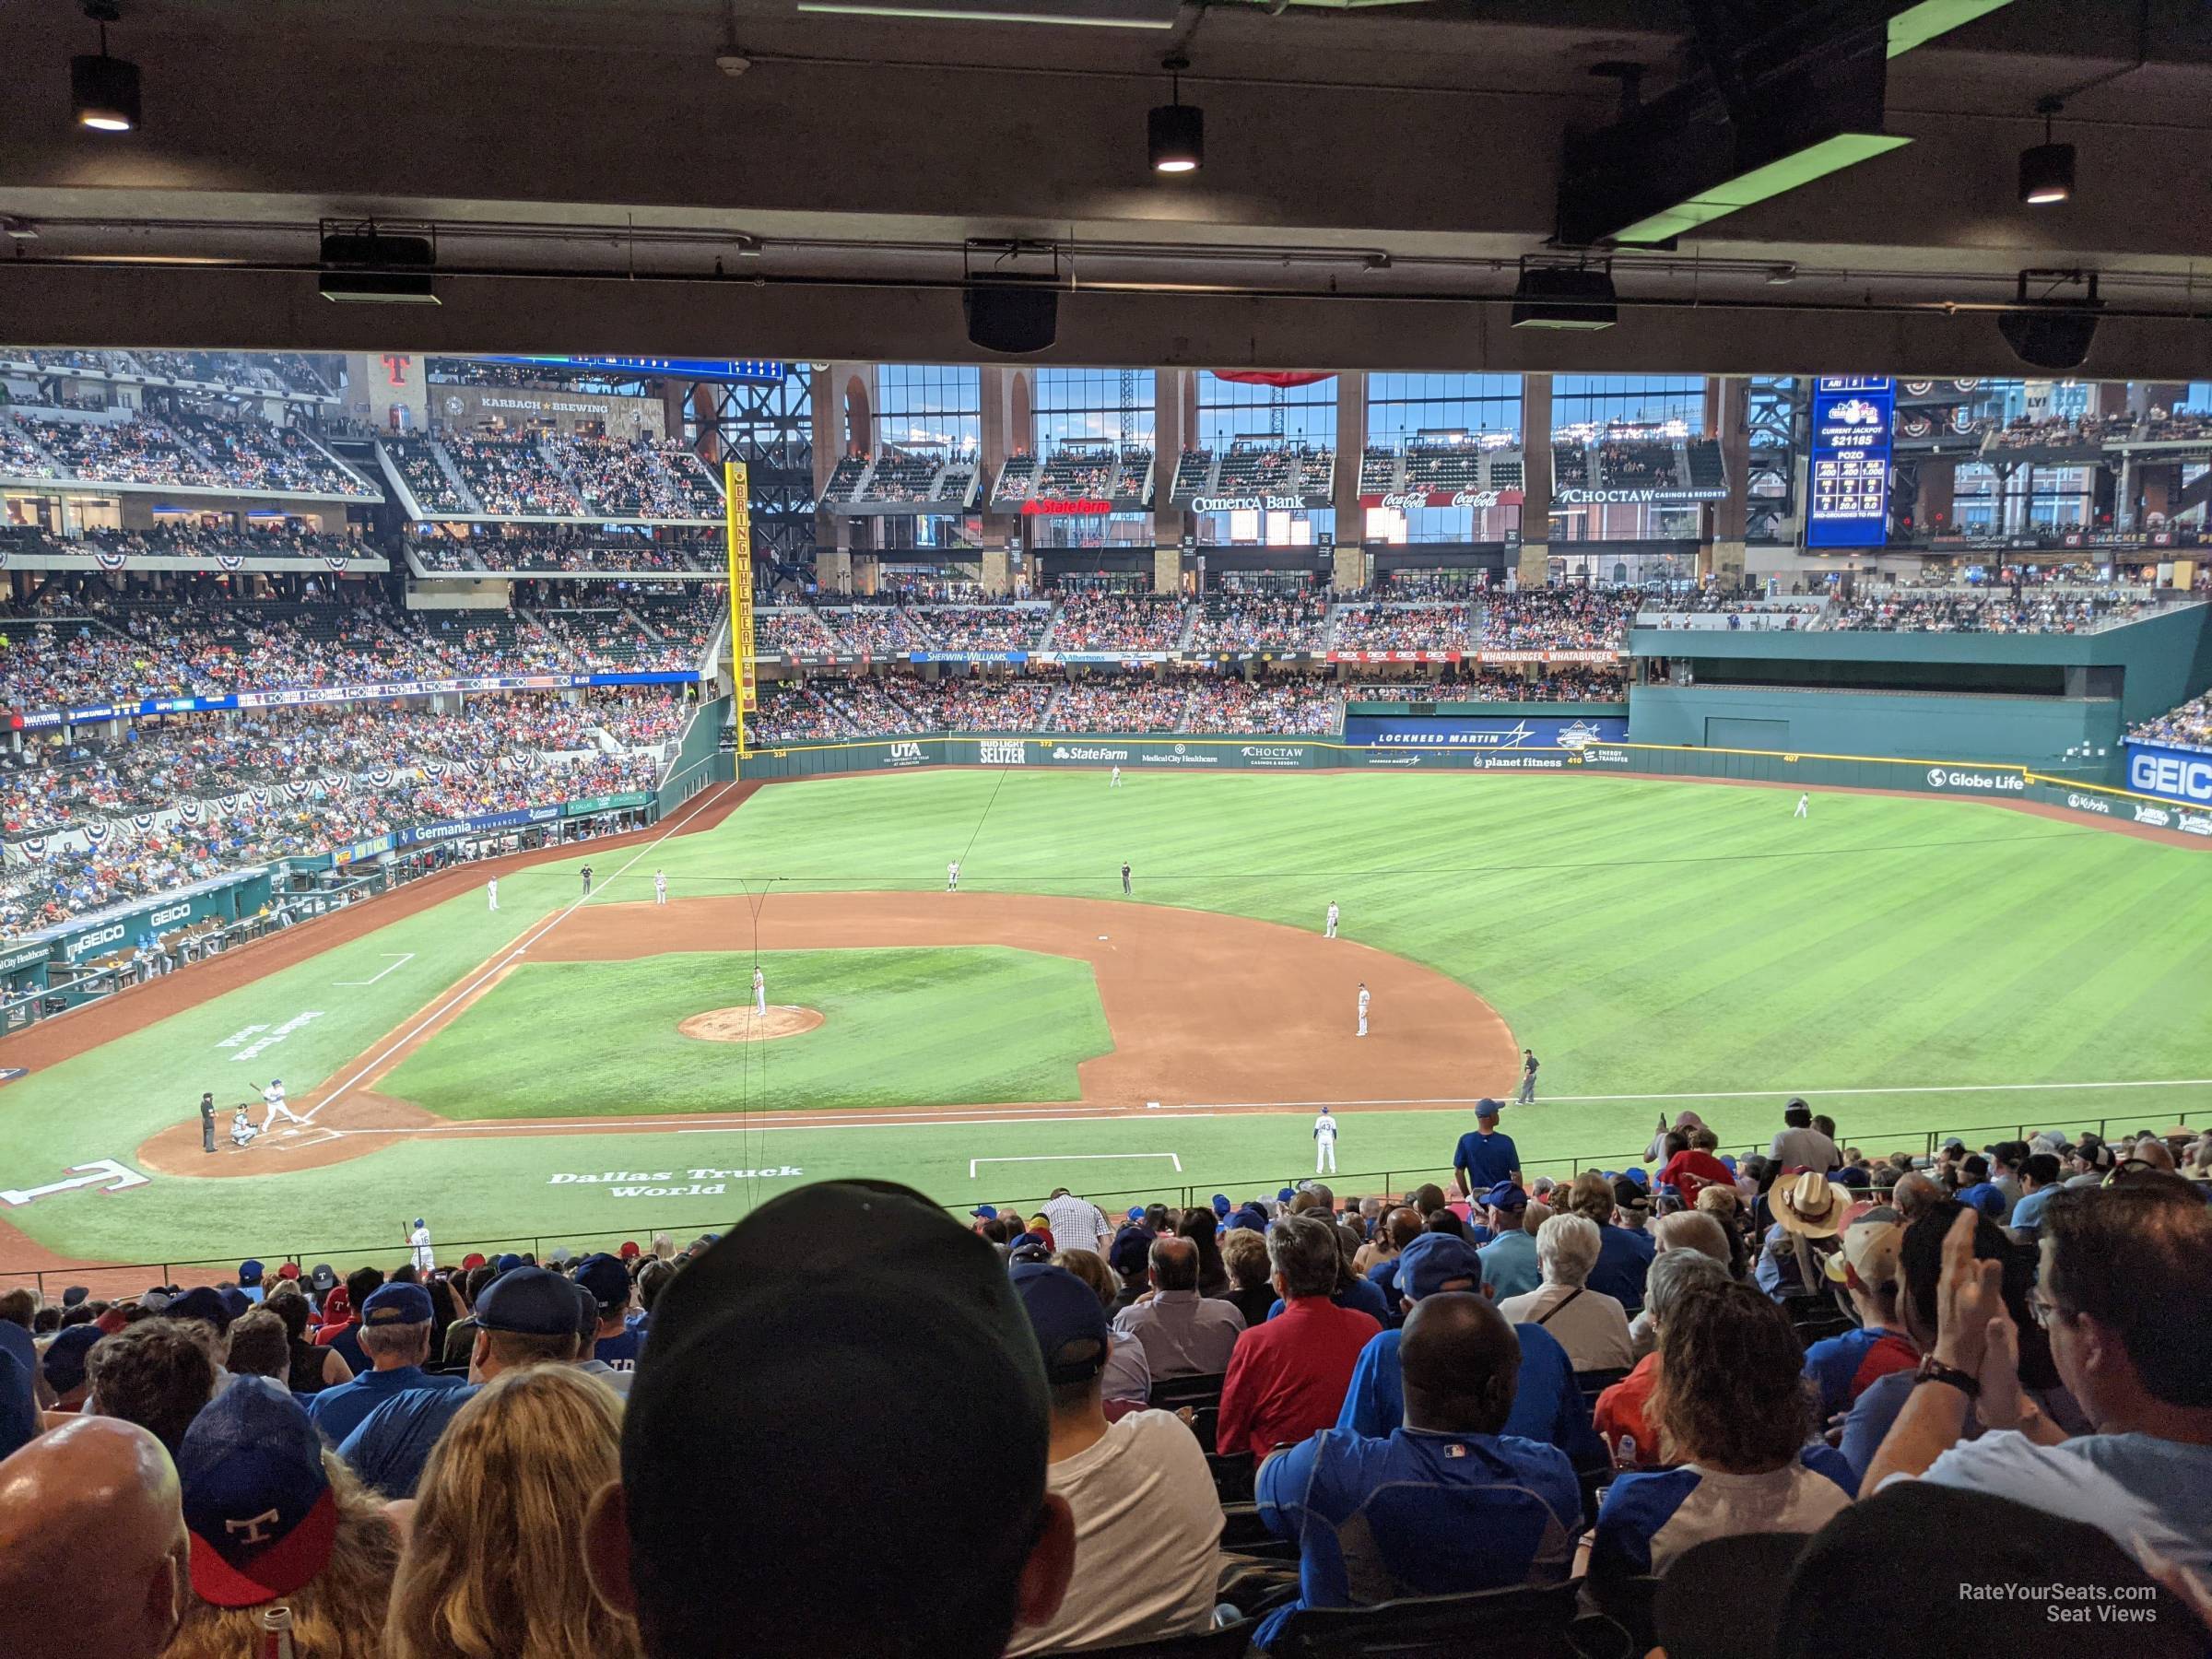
(586, 1069)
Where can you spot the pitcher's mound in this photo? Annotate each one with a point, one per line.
(742, 1025)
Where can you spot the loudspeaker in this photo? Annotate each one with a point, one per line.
(1015, 315)
(2060, 340)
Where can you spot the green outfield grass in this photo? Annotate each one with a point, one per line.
(608, 1037)
(1658, 944)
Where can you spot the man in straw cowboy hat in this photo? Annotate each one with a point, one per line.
(1808, 1214)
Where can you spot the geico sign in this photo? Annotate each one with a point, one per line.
(2004, 781)
(174, 913)
(2170, 775)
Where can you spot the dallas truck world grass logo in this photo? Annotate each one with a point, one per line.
(703, 1183)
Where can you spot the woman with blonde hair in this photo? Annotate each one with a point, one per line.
(493, 1567)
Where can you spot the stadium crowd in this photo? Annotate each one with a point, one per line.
(1978, 610)
(1382, 627)
(1559, 619)
(2190, 725)
(1107, 622)
(1250, 1418)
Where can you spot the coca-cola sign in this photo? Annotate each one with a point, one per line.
(1405, 500)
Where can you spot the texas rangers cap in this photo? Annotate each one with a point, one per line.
(202, 1303)
(321, 1275)
(75, 1294)
(1068, 1319)
(257, 1502)
(1505, 1195)
(528, 1301)
(398, 1303)
(1130, 1251)
(1487, 1108)
(985, 1212)
(1221, 1204)
(249, 1273)
(64, 1360)
(1435, 1260)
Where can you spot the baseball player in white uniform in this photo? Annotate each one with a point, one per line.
(660, 887)
(952, 876)
(1362, 1007)
(272, 1097)
(1117, 779)
(1325, 1143)
(759, 992)
(1331, 932)
(426, 1260)
(1804, 803)
(491, 891)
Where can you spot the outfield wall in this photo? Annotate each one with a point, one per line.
(1970, 779)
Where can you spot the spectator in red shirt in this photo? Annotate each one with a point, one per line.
(1620, 1416)
(1287, 1377)
(1693, 1167)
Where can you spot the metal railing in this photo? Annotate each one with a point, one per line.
(128, 1279)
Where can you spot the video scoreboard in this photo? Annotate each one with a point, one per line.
(1852, 416)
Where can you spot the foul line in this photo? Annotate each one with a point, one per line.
(492, 972)
(1077, 1158)
(397, 961)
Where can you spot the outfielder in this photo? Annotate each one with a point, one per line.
(760, 992)
(1331, 932)
(273, 1096)
(660, 887)
(1362, 1007)
(952, 876)
(1804, 802)
(1124, 878)
(491, 891)
(1325, 1143)
(1117, 779)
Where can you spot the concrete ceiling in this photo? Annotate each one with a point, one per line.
(1371, 176)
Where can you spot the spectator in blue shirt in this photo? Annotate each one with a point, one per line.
(2039, 1185)
(1977, 1192)
(1547, 1403)
(1445, 1503)
(527, 1316)
(1508, 1260)
(617, 1343)
(1484, 1156)
(396, 1334)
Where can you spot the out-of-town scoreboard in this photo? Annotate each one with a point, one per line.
(1850, 486)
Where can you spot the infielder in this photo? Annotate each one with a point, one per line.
(273, 1096)
(1117, 779)
(952, 876)
(420, 1237)
(1325, 1143)
(760, 992)
(660, 887)
(1804, 802)
(491, 891)
(1124, 878)
(587, 880)
(1331, 932)
(1362, 1007)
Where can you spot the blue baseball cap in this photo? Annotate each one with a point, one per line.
(1136, 1212)
(985, 1212)
(528, 1301)
(202, 1303)
(607, 1279)
(64, 1360)
(1221, 1204)
(398, 1303)
(1285, 1195)
(1131, 1250)
(510, 1261)
(257, 1502)
(1728, 1162)
(1487, 1108)
(1068, 1319)
(1505, 1195)
(1433, 1261)
(1637, 1176)
(236, 1302)
(249, 1273)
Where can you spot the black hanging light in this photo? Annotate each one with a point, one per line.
(2047, 169)
(1176, 132)
(103, 90)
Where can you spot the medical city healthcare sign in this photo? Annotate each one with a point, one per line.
(2171, 774)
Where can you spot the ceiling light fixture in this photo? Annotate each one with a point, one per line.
(103, 90)
(1070, 13)
(1568, 297)
(1780, 276)
(2047, 169)
(1175, 134)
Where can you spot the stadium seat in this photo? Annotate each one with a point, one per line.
(1232, 1476)
(1595, 1382)
(1201, 1395)
(1629, 1603)
(1529, 1622)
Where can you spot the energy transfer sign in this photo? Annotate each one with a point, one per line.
(1850, 506)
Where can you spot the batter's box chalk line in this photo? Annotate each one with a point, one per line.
(974, 1164)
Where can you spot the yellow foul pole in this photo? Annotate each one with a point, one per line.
(738, 512)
